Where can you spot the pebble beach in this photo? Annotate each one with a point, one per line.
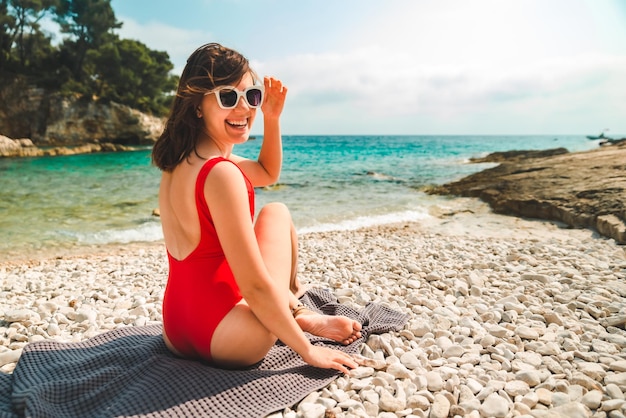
(508, 317)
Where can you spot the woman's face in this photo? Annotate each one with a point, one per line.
(228, 126)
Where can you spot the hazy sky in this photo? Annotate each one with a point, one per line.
(414, 66)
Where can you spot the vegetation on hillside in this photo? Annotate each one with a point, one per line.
(89, 61)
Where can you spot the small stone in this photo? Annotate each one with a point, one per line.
(418, 402)
(552, 317)
(618, 366)
(531, 399)
(391, 403)
(435, 382)
(497, 331)
(10, 356)
(494, 406)
(618, 379)
(398, 371)
(569, 410)
(541, 278)
(86, 314)
(594, 370)
(612, 404)
(410, 361)
(549, 349)
(361, 372)
(521, 408)
(526, 333)
(560, 398)
(421, 329)
(453, 351)
(474, 385)
(53, 330)
(544, 396)
(328, 403)
(516, 387)
(530, 377)
(311, 410)
(440, 407)
(370, 396)
(350, 403)
(592, 399)
(376, 364)
(614, 391)
(487, 341)
(20, 315)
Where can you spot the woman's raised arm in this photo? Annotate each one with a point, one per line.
(266, 169)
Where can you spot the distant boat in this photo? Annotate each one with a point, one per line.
(601, 136)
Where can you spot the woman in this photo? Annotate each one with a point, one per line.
(230, 290)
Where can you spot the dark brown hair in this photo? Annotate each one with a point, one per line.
(209, 66)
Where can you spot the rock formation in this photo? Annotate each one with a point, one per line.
(582, 189)
(25, 148)
(55, 120)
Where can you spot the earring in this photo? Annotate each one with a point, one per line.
(198, 112)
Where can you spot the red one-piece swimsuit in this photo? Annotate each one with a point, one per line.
(201, 288)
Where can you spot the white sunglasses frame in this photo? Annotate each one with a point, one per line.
(240, 94)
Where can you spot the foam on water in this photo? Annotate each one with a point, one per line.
(148, 232)
(366, 221)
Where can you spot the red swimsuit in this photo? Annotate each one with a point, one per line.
(201, 288)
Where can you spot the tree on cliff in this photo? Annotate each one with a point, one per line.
(22, 42)
(89, 24)
(91, 60)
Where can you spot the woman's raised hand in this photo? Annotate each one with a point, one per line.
(275, 94)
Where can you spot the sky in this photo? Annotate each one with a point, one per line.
(414, 67)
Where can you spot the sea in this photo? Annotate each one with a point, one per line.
(63, 203)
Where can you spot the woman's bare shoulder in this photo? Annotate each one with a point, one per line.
(225, 170)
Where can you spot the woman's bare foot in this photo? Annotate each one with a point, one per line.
(338, 328)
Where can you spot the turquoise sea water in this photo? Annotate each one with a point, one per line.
(329, 182)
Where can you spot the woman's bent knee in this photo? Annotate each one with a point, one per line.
(275, 208)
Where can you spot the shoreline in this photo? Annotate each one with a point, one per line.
(507, 315)
(450, 214)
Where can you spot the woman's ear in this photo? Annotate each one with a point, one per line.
(199, 112)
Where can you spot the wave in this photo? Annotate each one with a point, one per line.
(151, 232)
(148, 232)
(366, 221)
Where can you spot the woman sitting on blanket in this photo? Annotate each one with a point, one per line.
(232, 287)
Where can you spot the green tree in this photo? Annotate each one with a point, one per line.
(90, 60)
(7, 23)
(22, 39)
(128, 72)
(89, 24)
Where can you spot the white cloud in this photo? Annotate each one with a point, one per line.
(179, 43)
(486, 66)
(334, 88)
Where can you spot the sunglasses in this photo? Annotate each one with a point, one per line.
(228, 96)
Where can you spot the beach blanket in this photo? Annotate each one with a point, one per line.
(130, 372)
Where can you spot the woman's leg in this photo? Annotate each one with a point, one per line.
(241, 339)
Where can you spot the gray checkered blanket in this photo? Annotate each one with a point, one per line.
(129, 372)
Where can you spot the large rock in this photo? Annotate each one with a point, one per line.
(74, 122)
(25, 148)
(50, 119)
(582, 189)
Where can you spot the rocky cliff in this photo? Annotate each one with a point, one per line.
(51, 120)
(582, 189)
